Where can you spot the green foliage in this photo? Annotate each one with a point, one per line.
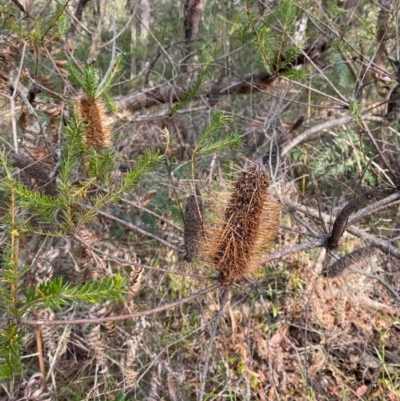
(210, 141)
(72, 149)
(191, 93)
(355, 110)
(144, 164)
(45, 31)
(87, 80)
(343, 71)
(57, 293)
(44, 205)
(11, 346)
(338, 160)
(272, 36)
(101, 164)
(111, 78)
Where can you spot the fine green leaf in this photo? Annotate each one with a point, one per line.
(56, 293)
(217, 144)
(192, 92)
(144, 164)
(219, 121)
(11, 346)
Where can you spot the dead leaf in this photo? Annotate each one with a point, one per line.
(362, 390)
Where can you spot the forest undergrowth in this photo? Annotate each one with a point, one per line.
(199, 202)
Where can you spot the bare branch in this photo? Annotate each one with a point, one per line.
(141, 231)
(179, 302)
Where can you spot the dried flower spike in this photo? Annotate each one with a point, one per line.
(194, 231)
(98, 131)
(250, 221)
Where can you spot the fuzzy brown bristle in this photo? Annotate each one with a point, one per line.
(250, 221)
(97, 133)
(194, 231)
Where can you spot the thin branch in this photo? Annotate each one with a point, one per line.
(224, 298)
(373, 240)
(139, 230)
(305, 246)
(131, 263)
(377, 148)
(313, 132)
(380, 279)
(128, 23)
(137, 206)
(29, 322)
(157, 41)
(96, 39)
(40, 356)
(13, 97)
(113, 52)
(384, 203)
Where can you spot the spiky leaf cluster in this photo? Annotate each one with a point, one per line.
(56, 293)
(272, 35)
(87, 79)
(192, 92)
(11, 347)
(45, 31)
(210, 140)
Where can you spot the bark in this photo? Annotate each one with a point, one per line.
(78, 15)
(145, 28)
(251, 84)
(193, 11)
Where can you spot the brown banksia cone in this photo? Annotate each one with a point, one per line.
(194, 230)
(250, 223)
(98, 132)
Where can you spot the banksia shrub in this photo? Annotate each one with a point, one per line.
(93, 112)
(194, 231)
(250, 222)
(90, 105)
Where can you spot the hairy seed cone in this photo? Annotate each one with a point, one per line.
(98, 130)
(250, 222)
(194, 231)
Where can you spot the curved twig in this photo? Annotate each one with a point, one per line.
(28, 322)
